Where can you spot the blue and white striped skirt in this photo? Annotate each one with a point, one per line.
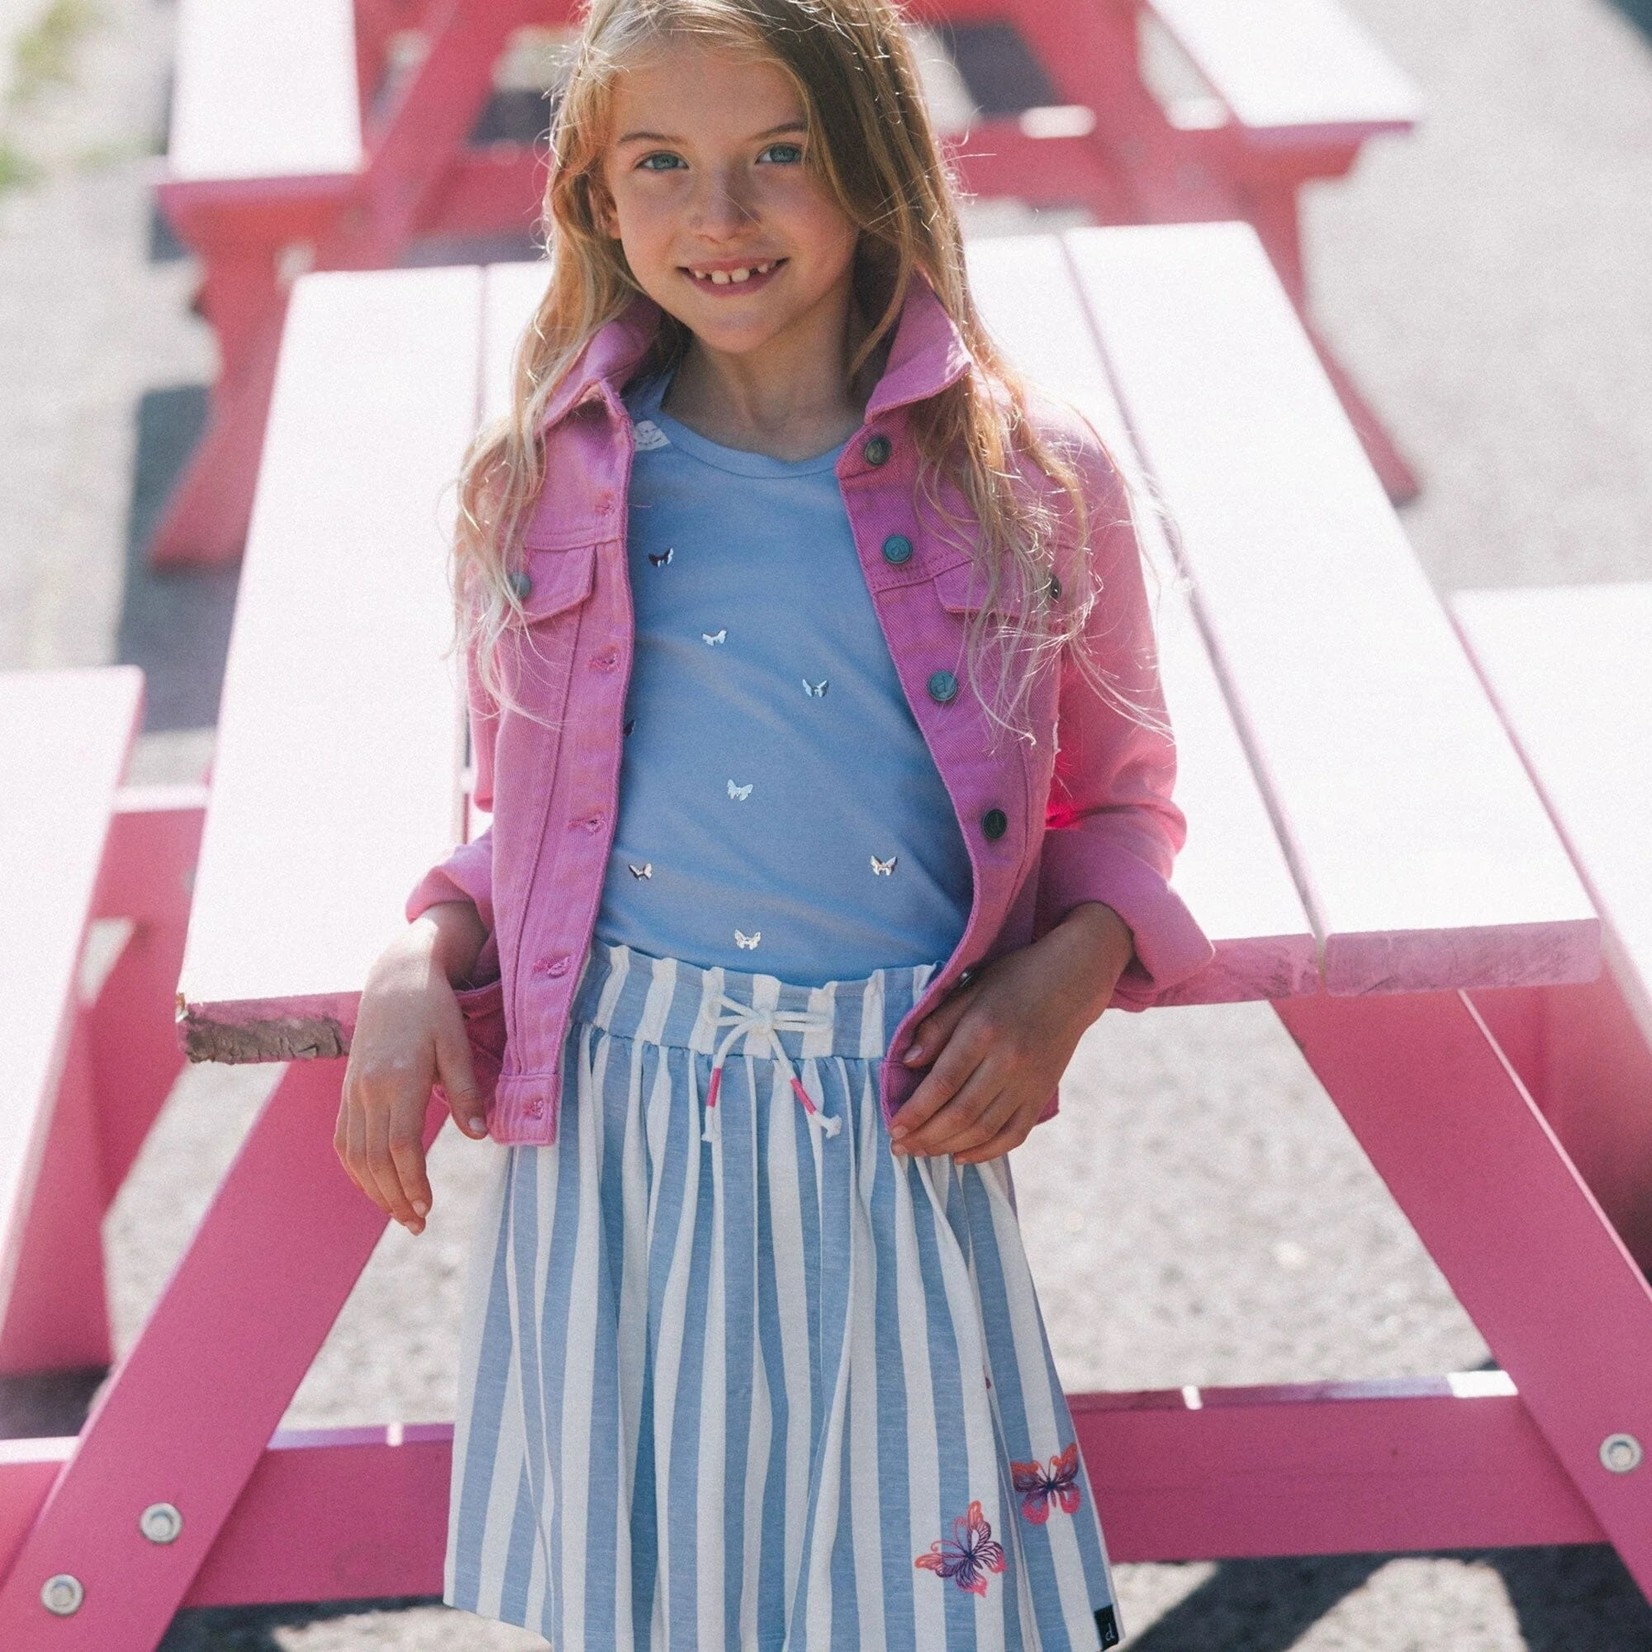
(734, 1376)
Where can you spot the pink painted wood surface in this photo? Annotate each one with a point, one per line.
(1480, 1176)
(1231, 872)
(335, 670)
(417, 177)
(148, 875)
(189, 1411)
(1365, 722)
(1582, 1054)
(1178, 1474)
(64, 736)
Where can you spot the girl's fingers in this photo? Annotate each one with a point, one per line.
(457, 1077)
(953, 1121)
(931, 1034)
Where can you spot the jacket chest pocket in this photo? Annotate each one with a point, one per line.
(554, 587)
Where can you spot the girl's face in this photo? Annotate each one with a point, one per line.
(722, 224)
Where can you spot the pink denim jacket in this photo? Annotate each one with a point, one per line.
(1046, 828)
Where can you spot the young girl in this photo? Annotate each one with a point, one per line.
(813, 696)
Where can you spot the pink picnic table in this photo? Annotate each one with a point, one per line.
(1366, 851)
(293, 147)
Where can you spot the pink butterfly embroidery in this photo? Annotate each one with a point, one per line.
(970, 1553)
(1039, 1489)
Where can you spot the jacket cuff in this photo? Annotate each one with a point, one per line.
(1169, 944)
(466, 874)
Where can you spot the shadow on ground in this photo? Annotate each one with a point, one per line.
(173, 622)
(1637, 11)
(1563, 1598)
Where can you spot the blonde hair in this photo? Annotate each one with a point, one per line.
(873, 148)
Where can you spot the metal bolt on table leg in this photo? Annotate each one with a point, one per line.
(161, 1522)
(62, 1594)
(1620, 1453)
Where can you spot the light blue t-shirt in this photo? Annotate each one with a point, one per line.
(779, 810)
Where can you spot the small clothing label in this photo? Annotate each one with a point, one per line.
(1107, 1626)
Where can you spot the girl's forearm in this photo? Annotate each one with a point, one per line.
(1105, 943)
(455, 933)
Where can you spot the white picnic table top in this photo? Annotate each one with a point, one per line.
(1360, 821)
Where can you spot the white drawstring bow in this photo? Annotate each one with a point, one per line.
(768, 1023)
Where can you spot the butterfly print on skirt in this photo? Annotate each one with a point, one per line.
(661, 558)
(968, 1555)
(816, 691)
(713, 638)
(884, 868)
(1038, 1489)
(740, 793)
(748, 943)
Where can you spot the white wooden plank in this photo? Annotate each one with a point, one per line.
(511, 294)
(1571, 672)
(1284, 64)
(1231, 873)
(1423, 854)
(335, 782)
(265, 91)
(64, 736)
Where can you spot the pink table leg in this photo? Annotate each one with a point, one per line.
(1479, 1173)
(191, 1408)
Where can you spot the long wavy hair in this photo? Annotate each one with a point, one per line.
(872, 146)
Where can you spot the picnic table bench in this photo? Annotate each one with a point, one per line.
(89, 1056)
(292, 147)
(1367, 852)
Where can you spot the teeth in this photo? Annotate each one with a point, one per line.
(723, 278)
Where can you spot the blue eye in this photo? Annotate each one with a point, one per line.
(672, 161)
(793, 152)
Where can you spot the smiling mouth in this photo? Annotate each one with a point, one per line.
(732, 277)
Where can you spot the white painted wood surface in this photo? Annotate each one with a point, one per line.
(264, 90)
(64, 737)
(335, 784)
(1571, 671)
(1231, 873)
(1284, 65)
(1422, 852)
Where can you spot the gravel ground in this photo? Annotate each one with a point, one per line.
(1487, 280)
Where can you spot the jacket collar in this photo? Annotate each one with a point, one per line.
(927, 354)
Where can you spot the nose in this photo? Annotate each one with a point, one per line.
(722, 207)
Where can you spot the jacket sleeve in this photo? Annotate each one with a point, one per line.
(1112, 831)
(467, 872)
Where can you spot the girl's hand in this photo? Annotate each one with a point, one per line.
(410, 1034)
(1000, 1045)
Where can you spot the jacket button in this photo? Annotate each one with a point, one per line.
(877, 450)
(994, 824)
(519, 583)
(552, 966)
(1055, 588)
(943, 687)
(897, 548)
(605, 662)
(535, 1109)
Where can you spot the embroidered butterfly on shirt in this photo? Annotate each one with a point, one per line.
(748, 943)
(649, 436)
(661, 558)
(816, 691)
(646, 870)
(968, 1555)
(740, 793)
(1039, 1489)
(713, 638)
(883, 868)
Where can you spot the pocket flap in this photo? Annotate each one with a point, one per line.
(558, 580)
